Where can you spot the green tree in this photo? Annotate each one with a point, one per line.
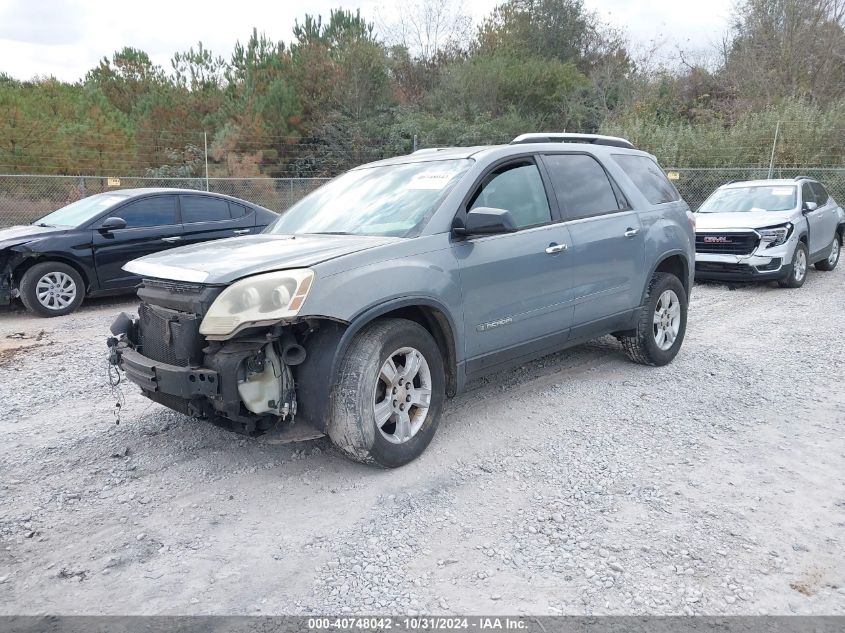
(500, 83)
(343, 28)
(199, 70)
(788, 48)
(562, 29)
(125, 78)
(27, 129)
(262, 109)
(99, 139)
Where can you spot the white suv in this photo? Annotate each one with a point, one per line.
(768, 230)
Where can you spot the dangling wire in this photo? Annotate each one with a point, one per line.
(114, 378)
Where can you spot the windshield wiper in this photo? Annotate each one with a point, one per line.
(331, 233)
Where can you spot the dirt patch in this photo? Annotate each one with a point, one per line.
(809, 583)
(17, 342)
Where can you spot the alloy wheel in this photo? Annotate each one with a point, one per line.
(402, 395)
(800, 264)
(667, 319)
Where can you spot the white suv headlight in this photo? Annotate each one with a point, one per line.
(775, 236)
(259, 300)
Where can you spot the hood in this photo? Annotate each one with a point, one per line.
(224, 261)
(745, 220)
(14, 235)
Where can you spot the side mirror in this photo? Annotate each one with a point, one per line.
(112, 224)
(485, 221)
(809, 207)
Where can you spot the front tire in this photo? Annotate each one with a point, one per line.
(832, 259)
(52, 289)
(387, 402)
(798, 274)
(662, 325)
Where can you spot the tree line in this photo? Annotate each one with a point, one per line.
(343, 92)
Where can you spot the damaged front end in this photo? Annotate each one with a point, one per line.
(9, 260)
(244, 382)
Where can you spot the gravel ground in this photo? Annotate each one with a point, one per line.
(578, 484)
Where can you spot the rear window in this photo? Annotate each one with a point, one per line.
(648, 178)
(581, 186)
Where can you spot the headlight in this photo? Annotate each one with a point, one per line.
(258, 300)
(776, 235)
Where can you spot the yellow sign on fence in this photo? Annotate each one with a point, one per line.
(673, 175)
(114, 182)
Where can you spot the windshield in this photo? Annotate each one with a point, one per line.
(754, 198)
(392, 200)
(81, 211)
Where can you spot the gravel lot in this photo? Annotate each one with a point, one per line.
(579, 484)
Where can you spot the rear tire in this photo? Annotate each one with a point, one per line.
(52, 289)
(830, 262)
(386, 404)
(662, 325)
(798, 274)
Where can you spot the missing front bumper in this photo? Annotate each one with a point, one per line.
(182, 382)
(228, 383)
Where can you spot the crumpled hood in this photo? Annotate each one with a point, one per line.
(14, 235)
(224, 261)
(746, 220)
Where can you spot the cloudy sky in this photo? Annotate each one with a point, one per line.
(66, 38)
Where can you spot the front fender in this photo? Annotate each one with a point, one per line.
(351, 292)
(326, 348)
(73, 253)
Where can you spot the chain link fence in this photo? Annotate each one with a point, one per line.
(24, 199)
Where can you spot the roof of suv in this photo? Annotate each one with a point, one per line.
(777, 182)
(483, 151)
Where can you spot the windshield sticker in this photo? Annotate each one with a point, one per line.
(782, 191)
(433, 180)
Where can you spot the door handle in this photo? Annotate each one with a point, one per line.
(171, 240)
(556, 248)
(631, 232)
(240, 231)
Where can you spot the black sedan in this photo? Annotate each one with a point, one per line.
(80, 249)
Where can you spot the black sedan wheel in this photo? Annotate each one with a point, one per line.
(52, 289)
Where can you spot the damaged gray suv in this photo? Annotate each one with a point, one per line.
(374, 298)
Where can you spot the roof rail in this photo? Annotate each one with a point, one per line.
(430, 150)
(563, 137)
(803, 178)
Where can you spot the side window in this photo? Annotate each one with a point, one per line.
(581, 185)
(155, 211)
(648, 178)
(807, 194)
(518, 189)
(203, 209)
(237, 210)
(821, 193)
